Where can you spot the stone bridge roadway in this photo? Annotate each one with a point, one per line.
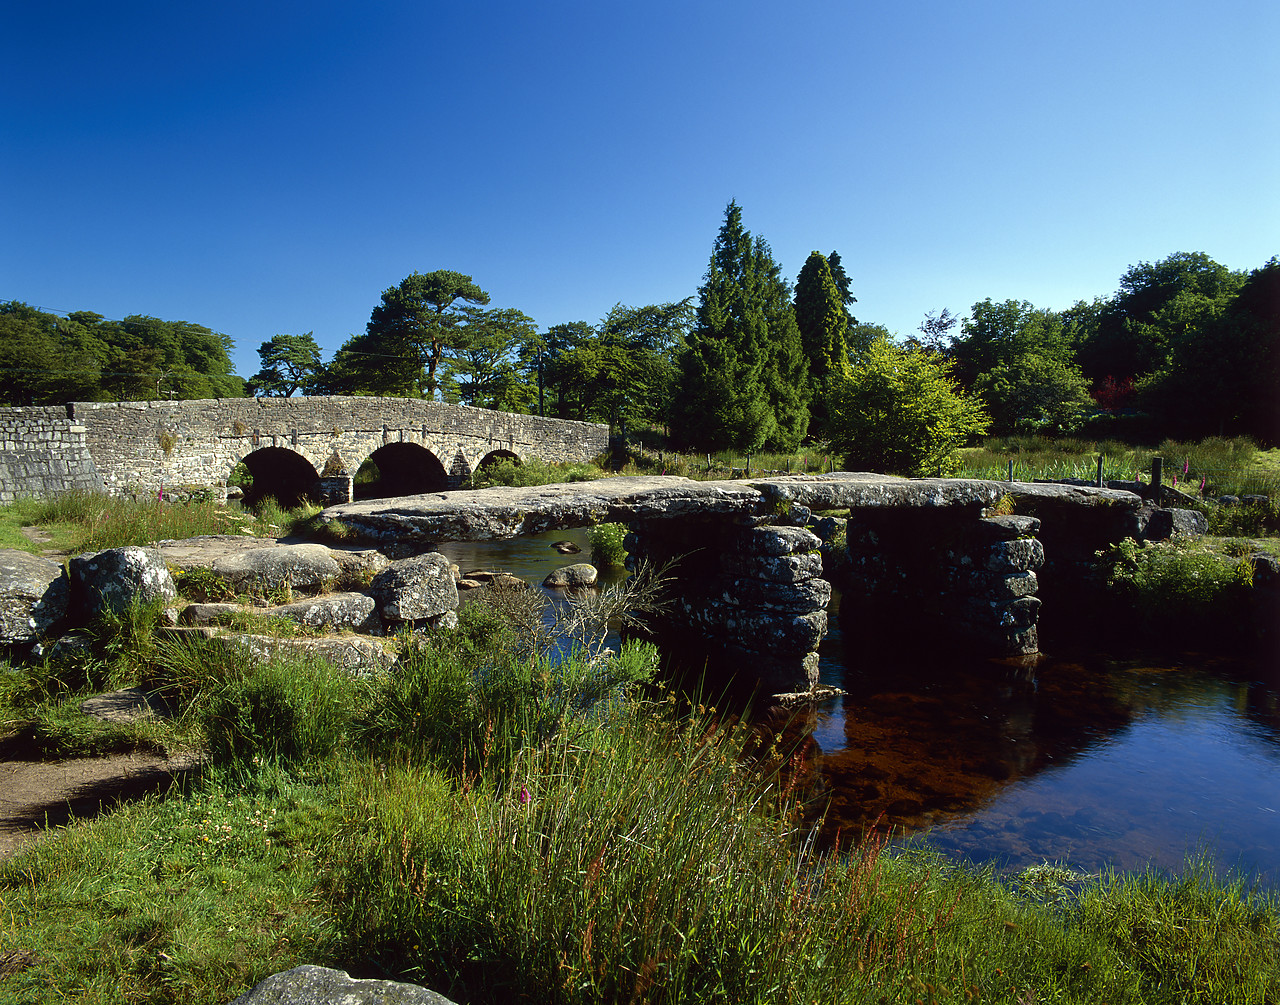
(929, 547)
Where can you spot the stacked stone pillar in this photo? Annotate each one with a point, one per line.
(919, 577)
(749, 589)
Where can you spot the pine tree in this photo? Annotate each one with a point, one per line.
(823, 323)
(743, 377)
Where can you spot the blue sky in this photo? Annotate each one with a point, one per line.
(272, 167)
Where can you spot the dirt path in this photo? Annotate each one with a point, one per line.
(38, 795)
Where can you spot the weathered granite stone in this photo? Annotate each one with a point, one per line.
(112, 580)
(1165, 523)
(33, 596)
(775, 568)
(1000, 587)
(310, 985)
(810, 595)
(357, 612)
(1015, 556)
(354, 653)
(291, 567)
(209, 614)
(572, 576)
(1008, 528)
(119, 707)
(415, 588)
(775, 541)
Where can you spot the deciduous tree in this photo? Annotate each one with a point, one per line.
(900, 411)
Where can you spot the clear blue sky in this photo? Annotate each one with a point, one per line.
(272, 167)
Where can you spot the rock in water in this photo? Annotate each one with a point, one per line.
(572, 576)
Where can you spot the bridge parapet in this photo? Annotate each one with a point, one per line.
(140, 446)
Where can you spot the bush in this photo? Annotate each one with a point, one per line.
(900, 411)
(1179, 587)
(606, 545)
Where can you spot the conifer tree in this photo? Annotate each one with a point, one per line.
(743, 377)
(823, 324)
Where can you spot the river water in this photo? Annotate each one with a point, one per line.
(1085, 759)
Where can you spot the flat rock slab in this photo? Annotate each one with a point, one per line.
(121, 707)
(503, 512)
(201, 552)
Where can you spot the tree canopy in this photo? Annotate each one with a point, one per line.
(743, 380)
(899, 410)
(289, 363)
(47, 359)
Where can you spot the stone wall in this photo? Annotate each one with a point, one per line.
(43, 452)
(139, 446)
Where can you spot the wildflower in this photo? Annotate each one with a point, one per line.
(1186, 466)
(524, 796)
(1202, 486)
(1175, 481)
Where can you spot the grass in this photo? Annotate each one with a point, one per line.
(500, 827)
(83, 521)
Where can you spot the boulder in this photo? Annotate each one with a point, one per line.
(113, 580)
(287, 567)
(311, 985)
(572, 576)
(354, 653)
(1165, 523)
(333, 612)
(33, 596)
(120, 707)
(415, 588)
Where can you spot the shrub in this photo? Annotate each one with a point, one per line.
(900, 411)
(606, 545)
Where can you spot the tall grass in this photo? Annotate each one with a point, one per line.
(86, 521)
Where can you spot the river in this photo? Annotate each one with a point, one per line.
(1085, 758)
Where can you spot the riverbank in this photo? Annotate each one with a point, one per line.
(497, 828)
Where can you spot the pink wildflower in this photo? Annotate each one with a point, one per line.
(1186, 466)
(1202, 486)
(524, 796)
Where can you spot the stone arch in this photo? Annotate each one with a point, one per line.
(282, 473)
(404, 469)
(498, 455)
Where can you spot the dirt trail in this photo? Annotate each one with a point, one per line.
(39, 795)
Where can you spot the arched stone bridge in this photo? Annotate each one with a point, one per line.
(291, 446)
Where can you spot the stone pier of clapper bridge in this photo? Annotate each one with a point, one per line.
(930, 553)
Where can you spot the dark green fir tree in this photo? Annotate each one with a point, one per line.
(743, 381)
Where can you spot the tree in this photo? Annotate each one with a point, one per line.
(289, 363)
(1019, 358)
(823, 324)
(408, 344)
(1035, 394)
(1127, 338)
(935, 331)
(1222, 367)
(484, 365)
(900, 411)
(743, 378)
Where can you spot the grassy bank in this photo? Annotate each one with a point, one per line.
(501, 828)
(86, 521)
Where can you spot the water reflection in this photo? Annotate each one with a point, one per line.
(1091, 760)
